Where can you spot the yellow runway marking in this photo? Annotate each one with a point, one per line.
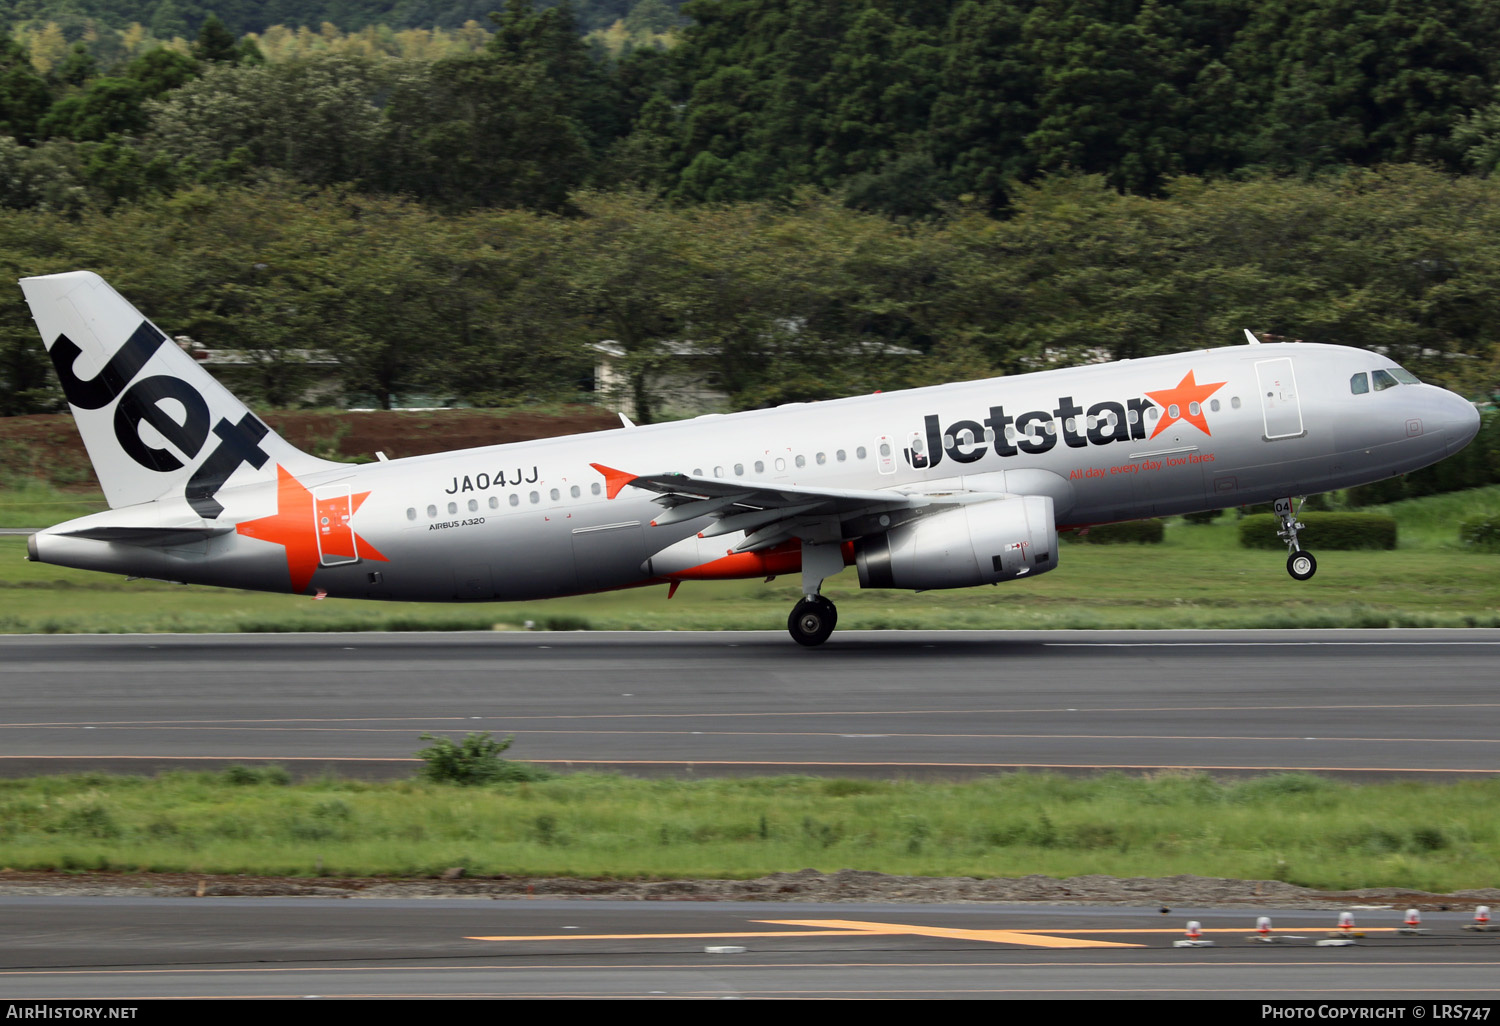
(1030, 939)
(848, 928)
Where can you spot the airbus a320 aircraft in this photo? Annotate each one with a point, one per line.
(950, 486)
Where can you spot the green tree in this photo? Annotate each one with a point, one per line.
(24, 96)
(215, 43)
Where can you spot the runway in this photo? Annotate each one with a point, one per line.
(1365, 704)
(1385, 703)
(136, 949)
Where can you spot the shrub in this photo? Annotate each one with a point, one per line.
(474, 760)
(1203, 516)
(1482, 533)
(1147, 532)
(1324, 531)
(246, 776)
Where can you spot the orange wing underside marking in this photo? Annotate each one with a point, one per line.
(294, 526)
(614, 479)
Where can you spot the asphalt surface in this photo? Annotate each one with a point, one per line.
(129, 949)
(1360, 703)
(1364, 704)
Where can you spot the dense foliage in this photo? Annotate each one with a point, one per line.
(790, 301)
(801, 188)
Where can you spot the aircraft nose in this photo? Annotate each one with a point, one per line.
(1459, 422)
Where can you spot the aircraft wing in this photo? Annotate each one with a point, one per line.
(770, 514)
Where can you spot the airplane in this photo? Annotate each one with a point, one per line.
(948, 486)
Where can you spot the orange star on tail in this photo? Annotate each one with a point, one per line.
(1182, 398)
(294, 525)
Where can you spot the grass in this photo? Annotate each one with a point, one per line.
(32, 504)
(1198, 577)
(1293, 827)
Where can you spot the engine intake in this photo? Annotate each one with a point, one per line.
(981, 543)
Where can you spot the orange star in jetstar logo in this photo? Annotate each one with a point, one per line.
(295, 526)
(1185, 402)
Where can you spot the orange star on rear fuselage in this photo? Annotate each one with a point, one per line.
(1187, 392)
(294, 526)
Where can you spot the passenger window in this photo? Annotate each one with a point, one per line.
(1359, 384)
(574, 492)
(859, 453)
(840, 456)
(473, 505)
(1214, 405)
(739, 470)
(780, 463)
(554, 494)
(536, 497)
(801, 461)
(494, 502)
(411, 513)
(1234, 402)
(515, 498)
(1382, 380)
(822, 459)
(595, 488)
(452, 508)
(760, 467)
(718, 472)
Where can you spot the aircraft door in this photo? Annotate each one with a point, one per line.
(1278, 399)
(331, 512)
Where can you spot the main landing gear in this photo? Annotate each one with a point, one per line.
(814, 617)
(1300, 564)
(812, 620)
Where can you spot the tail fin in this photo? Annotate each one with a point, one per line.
(154, 422)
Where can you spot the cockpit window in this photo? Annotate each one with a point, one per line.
(1360, 383)
(1383, 380)
(1404, 376)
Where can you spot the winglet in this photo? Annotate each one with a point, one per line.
(614, 479)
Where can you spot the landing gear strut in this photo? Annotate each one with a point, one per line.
(1300, 564)
(812, 620)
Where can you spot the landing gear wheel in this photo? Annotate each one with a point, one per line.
(812, 620)
(1301, 565)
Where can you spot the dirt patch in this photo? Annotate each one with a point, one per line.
(808, 885)
(47, 447)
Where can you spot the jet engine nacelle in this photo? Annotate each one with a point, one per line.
(980, 543)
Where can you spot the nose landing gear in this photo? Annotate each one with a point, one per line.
(1299, 563)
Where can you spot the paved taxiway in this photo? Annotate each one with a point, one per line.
(882, 703)
(125, 949)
